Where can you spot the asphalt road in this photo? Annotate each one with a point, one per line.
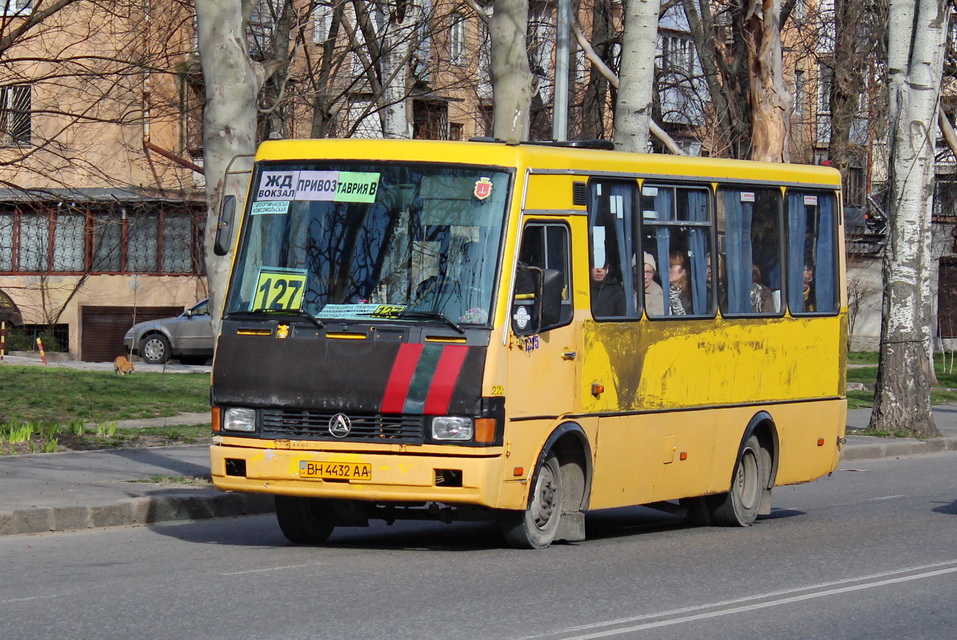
(870, 552)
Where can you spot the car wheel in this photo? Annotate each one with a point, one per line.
(305, 520)
(155, 349)
(535, 528)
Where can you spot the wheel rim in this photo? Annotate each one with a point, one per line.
(746, 480)
(153, 349)
(544, 506)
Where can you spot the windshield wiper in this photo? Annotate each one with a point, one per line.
(298, 313)
(432, 315)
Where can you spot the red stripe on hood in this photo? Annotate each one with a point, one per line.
(443, 383)
(397, 388)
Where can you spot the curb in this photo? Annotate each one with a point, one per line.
(198, 505)
(881, 448)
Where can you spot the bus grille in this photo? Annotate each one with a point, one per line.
(314, 425)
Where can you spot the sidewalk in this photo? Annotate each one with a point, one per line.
(69, 491)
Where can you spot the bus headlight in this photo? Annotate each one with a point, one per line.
(451, 428)
(237, 419)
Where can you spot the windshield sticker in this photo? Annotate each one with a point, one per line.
(318, 186)
(483, 188)
(270, 207)
(361, 309)
(278, 288)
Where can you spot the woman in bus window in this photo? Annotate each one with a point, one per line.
(654, 297)
(679, 295)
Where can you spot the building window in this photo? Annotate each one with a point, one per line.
(800, 92)
(363, 118)
(111, 240)
(430, 120)
(457, 40)
(676, 54)
(321, 22)
(15, 118)
(825, 80)
(16, 7)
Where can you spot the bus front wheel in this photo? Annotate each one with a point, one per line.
(739, 507)
(305, 520)
(535, 528)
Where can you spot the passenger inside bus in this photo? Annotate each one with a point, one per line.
(762, 300)
(654, 298)
(607, 294)
(808, 293)
(679, 294)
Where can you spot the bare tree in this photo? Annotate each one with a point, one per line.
(633, 109)
(233, 80)
(917, 35)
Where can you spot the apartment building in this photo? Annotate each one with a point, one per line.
(100, 219)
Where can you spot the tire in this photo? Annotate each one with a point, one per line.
(535, 528)
(155, 349)
(305, 520)
(739, 507)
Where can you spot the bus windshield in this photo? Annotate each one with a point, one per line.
(349, 241)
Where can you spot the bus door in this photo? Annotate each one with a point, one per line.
(544, 343)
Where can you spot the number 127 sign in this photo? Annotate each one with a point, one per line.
(279, 288)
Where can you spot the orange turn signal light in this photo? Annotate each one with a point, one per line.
(214, 417)
(683, 455)
(485, 430)
(820, 442)
(518, 472)
(597, 389)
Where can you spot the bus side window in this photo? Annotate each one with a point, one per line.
(611, 227)
(749, 256)
(676, 233)
(543, 269)
(812, 262)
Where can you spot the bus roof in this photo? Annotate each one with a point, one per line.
(546, 157)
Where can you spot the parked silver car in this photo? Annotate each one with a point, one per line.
(188, 336)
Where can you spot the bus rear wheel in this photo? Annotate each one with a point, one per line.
(535, 528)
(739, 507)
(305, 520)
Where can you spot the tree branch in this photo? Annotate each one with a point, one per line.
(479, 11)
(612, 79)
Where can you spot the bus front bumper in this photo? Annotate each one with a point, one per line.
(381, 477)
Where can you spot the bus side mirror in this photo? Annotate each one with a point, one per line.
(537, 300)
(224, 226)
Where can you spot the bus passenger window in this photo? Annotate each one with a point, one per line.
(749, 251)
(611, 228)
(676, 234)
(812, 262)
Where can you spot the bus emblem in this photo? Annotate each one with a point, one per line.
(340, 425)
(483, 188)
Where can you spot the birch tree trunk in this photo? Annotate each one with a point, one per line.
(770, 98)
(511, 76)
(233, 81)
(636, 78)
(917, 32)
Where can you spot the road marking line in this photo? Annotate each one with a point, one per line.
(29, 598)
(292, 566)
(886, 498)
(771, 599)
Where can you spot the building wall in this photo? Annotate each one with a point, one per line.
(94, 113)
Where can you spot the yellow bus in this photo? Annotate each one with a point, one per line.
(523, 333)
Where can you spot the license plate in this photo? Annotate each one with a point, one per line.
(335, 470)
